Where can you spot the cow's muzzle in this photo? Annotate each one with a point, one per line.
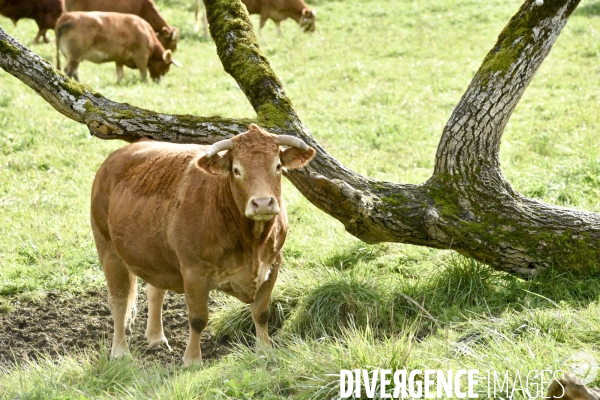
(262, 208)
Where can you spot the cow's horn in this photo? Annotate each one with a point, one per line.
(176, 63)
(219, 146)
(287, 140)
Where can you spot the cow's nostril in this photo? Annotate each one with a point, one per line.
(264, 205)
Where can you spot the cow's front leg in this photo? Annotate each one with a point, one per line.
(141, 62)
(196, 286)
(154, 328)
(260, 306)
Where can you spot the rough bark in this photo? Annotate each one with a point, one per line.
(466, 205)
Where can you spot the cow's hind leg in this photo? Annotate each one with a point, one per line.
(119, 72)
(154, 328)
(122, 296)
(196, 289)
(264, 14)
(36, 40)
(260, 306)
(72, 69)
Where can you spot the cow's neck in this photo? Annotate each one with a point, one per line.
(154, 18)
(295, 10)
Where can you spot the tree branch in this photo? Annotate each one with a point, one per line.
(466, 205)
(105, 118)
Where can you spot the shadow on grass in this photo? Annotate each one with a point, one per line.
(463, 294)
(347, 258)
(471, 286)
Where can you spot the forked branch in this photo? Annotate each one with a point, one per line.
(466, 205)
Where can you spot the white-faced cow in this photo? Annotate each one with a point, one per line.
(145, 9)
(105, 37)
(191, 219)
(43, 12)
(277, 10)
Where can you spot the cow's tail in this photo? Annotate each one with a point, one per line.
(131, 312)
(57, 52)
(59, 29)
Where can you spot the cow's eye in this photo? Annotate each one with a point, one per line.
(278, 167)
(236, 172)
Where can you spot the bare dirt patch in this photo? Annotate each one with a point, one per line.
(63, 323)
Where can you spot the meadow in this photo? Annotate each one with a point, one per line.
(375, 84)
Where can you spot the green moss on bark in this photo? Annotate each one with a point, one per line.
(238, 50)
(7, 48)
(518, 34)
(269, 115)
(77, 89)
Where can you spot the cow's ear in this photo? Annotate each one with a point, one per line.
(168, 56)
(216, 165)
(293, 157)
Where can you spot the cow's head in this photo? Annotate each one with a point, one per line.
(168, 37)
(307, 21)
(253, 162)
(160, 66)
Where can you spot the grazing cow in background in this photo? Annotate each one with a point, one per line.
(277, 10)
(145, 9)
(104, 37)
(43, 12)
(190, 219)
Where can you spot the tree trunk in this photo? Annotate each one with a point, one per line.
(466, 205)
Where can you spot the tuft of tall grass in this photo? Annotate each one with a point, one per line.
(344, 301)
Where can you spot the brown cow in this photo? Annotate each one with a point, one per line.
(145, 9)
(104, 37)
(277, 10)
(190, 219)
(43, 12)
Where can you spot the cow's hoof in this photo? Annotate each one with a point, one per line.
(190, 362)
(159, 342)
(119, 352)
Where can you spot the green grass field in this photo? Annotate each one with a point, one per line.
(375, 84)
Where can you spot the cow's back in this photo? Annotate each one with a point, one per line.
(145, 9)
(135, 196)
(126, 7)
(140, 171)
(253, 6)
(102, 36)
(45, 12)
